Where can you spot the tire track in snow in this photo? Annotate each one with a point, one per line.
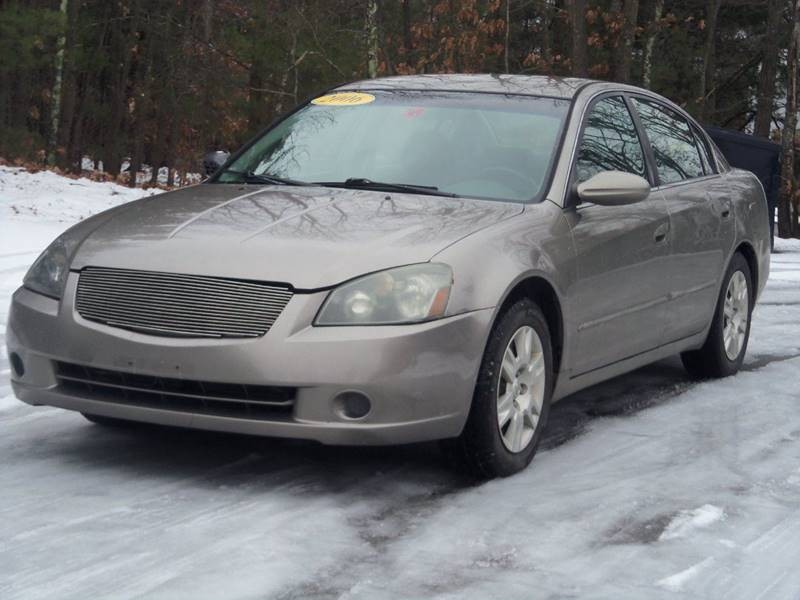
(423, 506)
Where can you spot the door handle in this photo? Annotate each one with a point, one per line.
(661, 233)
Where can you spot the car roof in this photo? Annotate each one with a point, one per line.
(529, 85)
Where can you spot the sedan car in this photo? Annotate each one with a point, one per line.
(406, 259)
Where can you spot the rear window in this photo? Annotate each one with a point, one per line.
(705, 151)
(676, 152)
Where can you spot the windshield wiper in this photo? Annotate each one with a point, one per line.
(250, 177)
(362, 183)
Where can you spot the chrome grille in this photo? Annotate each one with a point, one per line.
(171, 304)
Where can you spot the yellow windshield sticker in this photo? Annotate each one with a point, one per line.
(344, 99)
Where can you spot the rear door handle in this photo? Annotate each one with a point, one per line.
(661, 233)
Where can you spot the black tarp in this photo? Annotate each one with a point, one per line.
(758, 155)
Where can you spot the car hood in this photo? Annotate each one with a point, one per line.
(309, 237)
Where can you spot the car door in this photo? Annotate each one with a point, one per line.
(618, 300)
(701, 215)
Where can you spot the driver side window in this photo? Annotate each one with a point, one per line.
(610, 141)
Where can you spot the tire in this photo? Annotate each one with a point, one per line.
(485, 449)
(715, 359)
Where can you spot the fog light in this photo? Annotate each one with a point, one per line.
(16, 364)
(352, 405)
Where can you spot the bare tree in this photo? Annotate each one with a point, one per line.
(55, 111)
(647, 68)
(547, 11)
(580, 60)
(624, 53)
(69, 127)
(707, 74)
(769, 66)
(507, 32)
(788, 205)
(208, 20)
(372, 38)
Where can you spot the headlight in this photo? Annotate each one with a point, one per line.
(403, 295)
(48, 275)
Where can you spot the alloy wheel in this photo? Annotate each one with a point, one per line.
(520, 389)
(736, 313)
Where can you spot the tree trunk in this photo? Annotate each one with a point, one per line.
(408, 44)
(372, 38)
(143, 97)
(580, 60)
(769, 65)
(788, 209)
(169, 162)
(647, 67)
(55, 100)
(293, 68)
(68, 132)
(208, 20)
(159, 153)
(547, 35)
(617, 18)
(116, 133)
(208, 102)
(706, 100)
(507, 32)
(624, 53)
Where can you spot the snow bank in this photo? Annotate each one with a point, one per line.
(34, 209)
(45, 196)
(782, 245)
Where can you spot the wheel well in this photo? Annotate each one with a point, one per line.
(746, 250)
(540, 291)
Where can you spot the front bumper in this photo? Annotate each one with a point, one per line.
(419, 378)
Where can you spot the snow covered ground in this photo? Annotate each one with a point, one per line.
(648, 486)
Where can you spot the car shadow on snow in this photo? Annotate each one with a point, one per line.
(621, 396)
(214, 457)
(629, 394)
(400, 484)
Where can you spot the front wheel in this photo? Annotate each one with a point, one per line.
(512, 396)
(724, 349)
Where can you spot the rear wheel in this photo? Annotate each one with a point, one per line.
(724, 349)
(512, 396)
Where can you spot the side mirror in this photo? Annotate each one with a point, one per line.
(614, 188)
(213, 161)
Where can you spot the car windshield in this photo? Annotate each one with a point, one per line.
(475, 145)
